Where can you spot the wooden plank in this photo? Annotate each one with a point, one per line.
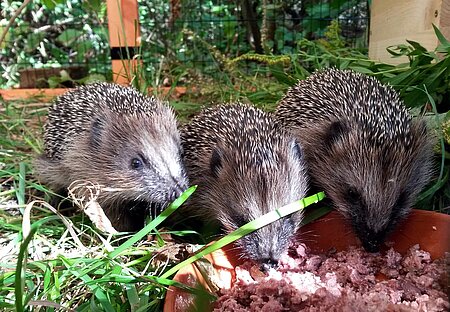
(392, 22)
(123, 70)
(124, 32)
(123, 23)
(444, 21)
(46, 95)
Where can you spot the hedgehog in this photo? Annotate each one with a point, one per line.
(362, 148)
(245, 165)
(119, 139)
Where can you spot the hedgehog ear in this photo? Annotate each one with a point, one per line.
(335, 132)
(216, 162)
(97, 128)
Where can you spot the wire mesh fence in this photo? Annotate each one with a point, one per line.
(73, 35)
(193, 32)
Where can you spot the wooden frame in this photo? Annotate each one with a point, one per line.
(124, 33)
(46, 95)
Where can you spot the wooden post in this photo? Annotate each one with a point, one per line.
(124, 38)
(392, 22)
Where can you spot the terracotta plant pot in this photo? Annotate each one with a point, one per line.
(430, 230)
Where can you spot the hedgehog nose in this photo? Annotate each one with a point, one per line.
(267, 264)
(176, 192)
(372, 246)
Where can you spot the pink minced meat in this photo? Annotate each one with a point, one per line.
(352, 280)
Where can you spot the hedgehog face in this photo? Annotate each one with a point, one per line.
(142, 156)
(248, 185)
(374, 185)
(245, 165)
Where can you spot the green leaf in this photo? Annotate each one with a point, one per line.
(402, 49)
(33, 40)
(92, 78)
(93, 5)
(360, 69)
(49, 4)
(401, 79)
(441, 37)
(158, 220)
(417, 46)
(249, 228)
(69, 36)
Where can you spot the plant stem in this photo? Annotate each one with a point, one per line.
(12, 19)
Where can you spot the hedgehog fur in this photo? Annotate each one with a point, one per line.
(245, 165)
(119, 139)
(362, 148)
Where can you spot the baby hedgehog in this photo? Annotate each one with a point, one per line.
(117, 138)
(245, 165)
(361, 146)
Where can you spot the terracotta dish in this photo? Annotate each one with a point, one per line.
(430, 230)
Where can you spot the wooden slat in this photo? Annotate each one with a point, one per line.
(43, 94)
(123, 25)
(123, 70)
(46, 95)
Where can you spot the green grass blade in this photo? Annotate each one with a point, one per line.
(315, 214)
(96, 290)
(20, 192)
(132, 296)
(248, 228)
(441, 37)
(21, 263)
(153, 224)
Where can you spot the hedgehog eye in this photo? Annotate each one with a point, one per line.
(136, 164)
(215, 163)
(353, 195)
(298, 152)
(239, 220)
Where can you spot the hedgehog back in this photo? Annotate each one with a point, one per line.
(72, 113)
(361, 100)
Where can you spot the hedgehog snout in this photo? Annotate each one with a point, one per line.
(267, 264)
(267, 256)
(176, 191)
(371, 246)
(266, 246)
(372, 240)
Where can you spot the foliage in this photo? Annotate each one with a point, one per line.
(173, 37)
(54, 33)
(425, 68)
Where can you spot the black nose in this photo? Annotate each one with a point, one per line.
(176, 191)
(267, 264)
(371, 246)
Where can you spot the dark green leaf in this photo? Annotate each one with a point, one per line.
(69, 36)
(441, 37)
(417, 46)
